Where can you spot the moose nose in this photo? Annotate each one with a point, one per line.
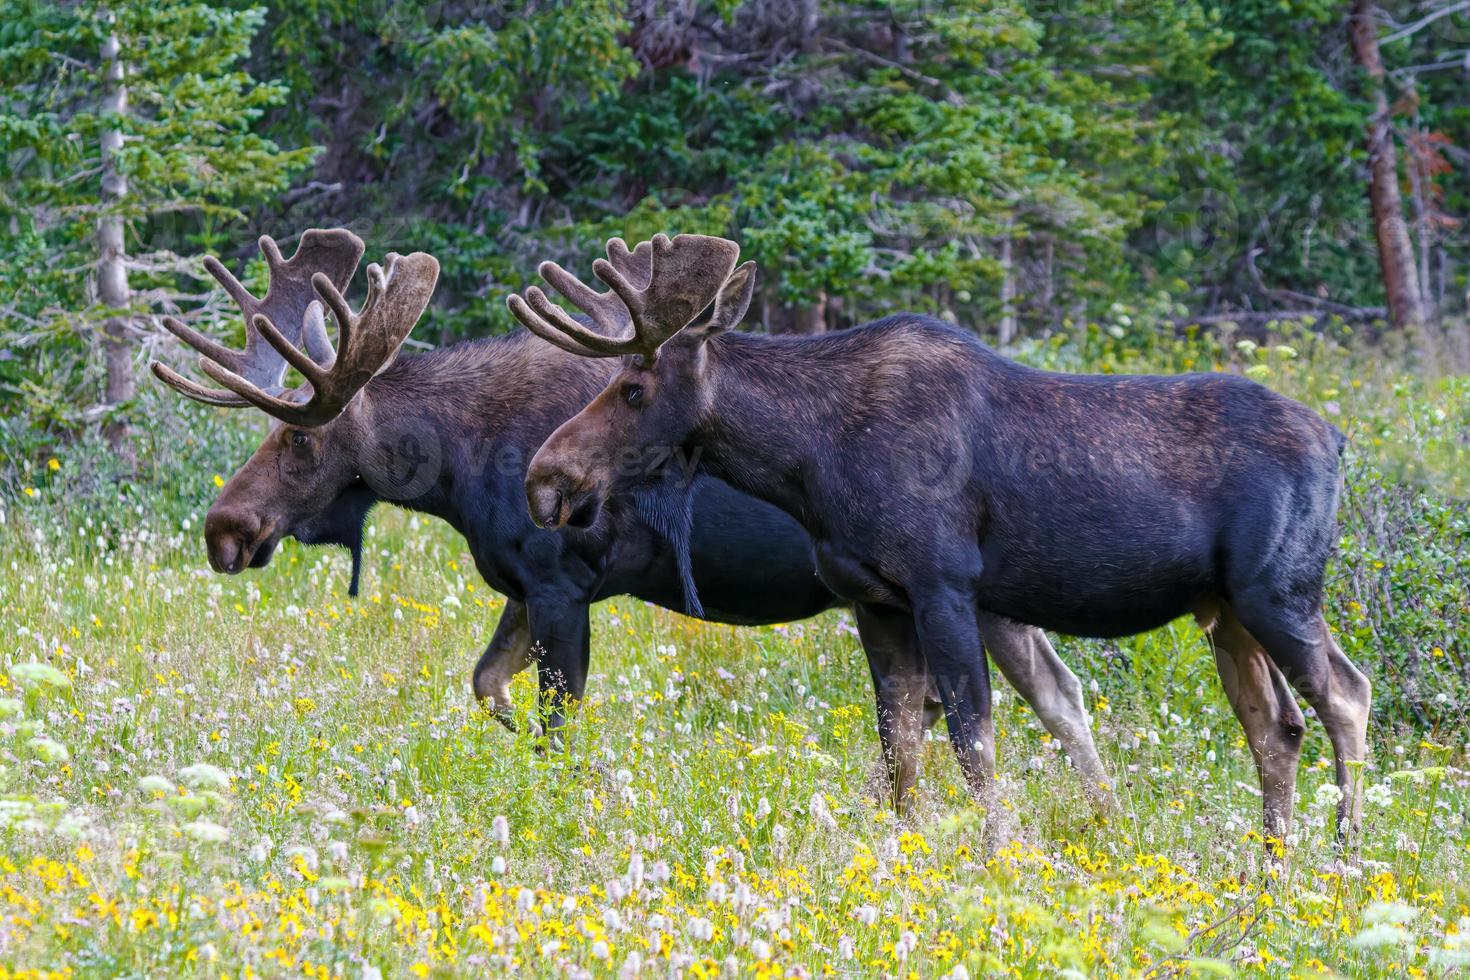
(547, 502)
(230, 539)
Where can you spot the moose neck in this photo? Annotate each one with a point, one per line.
(453, 427)
(773, 406)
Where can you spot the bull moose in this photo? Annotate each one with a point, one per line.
(946, 487)
(477, 411)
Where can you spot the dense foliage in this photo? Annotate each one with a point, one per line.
(1015, 166)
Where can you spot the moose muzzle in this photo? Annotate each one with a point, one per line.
(558, 497)
(237, 541)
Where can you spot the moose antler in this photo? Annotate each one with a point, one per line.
(368, 341)
(333, 253)
(657, 289)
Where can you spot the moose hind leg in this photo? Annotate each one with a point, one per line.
(1308, 656)
(1269, 714)
(1033, 668)
(900, 684)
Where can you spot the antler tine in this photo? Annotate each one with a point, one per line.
(313, 372)
(537, 324)
(286, 305)
(657, 288)
(198, 392)
(635, 266)
(368, 341)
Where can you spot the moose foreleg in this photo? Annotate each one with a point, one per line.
(561, 644)
(900, 686)
(508, 654)
(949, 635)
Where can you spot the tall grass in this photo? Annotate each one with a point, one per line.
(258, 775)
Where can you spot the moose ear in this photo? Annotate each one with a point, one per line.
(730, 304)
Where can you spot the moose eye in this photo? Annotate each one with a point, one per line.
(299, 439)
(633, 395)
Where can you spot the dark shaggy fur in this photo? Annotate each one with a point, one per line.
(943, 483)
(449, 433)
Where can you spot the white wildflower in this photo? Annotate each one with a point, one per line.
(1328, 796)
(1382, 935)
(203, 776)
(207, 832)
(1378, 795)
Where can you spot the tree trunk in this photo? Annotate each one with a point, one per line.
(1007, 289)
(112, 272)
(800, 318)
(1395, 252)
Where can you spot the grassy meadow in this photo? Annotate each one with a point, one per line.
(258, 776)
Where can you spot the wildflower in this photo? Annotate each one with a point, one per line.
(1328, 796)
(1394, 913)
(202, 776)
(844, 947)
(36, 676)
(207, 832)
(155, 786)
(635, 871)
(1382, 935)
(497, 866)
(1378, 795)
(48, 749)
(632, 966)
(1456, 949)
(600, 950)
(303, 857)
(500, 830)
(10, 708)
(760, 949)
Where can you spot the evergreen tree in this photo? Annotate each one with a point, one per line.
(129, 129)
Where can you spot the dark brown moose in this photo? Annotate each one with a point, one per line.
(450, 433)
(947, 487)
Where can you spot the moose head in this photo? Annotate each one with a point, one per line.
(657, 293)
(306, 478)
